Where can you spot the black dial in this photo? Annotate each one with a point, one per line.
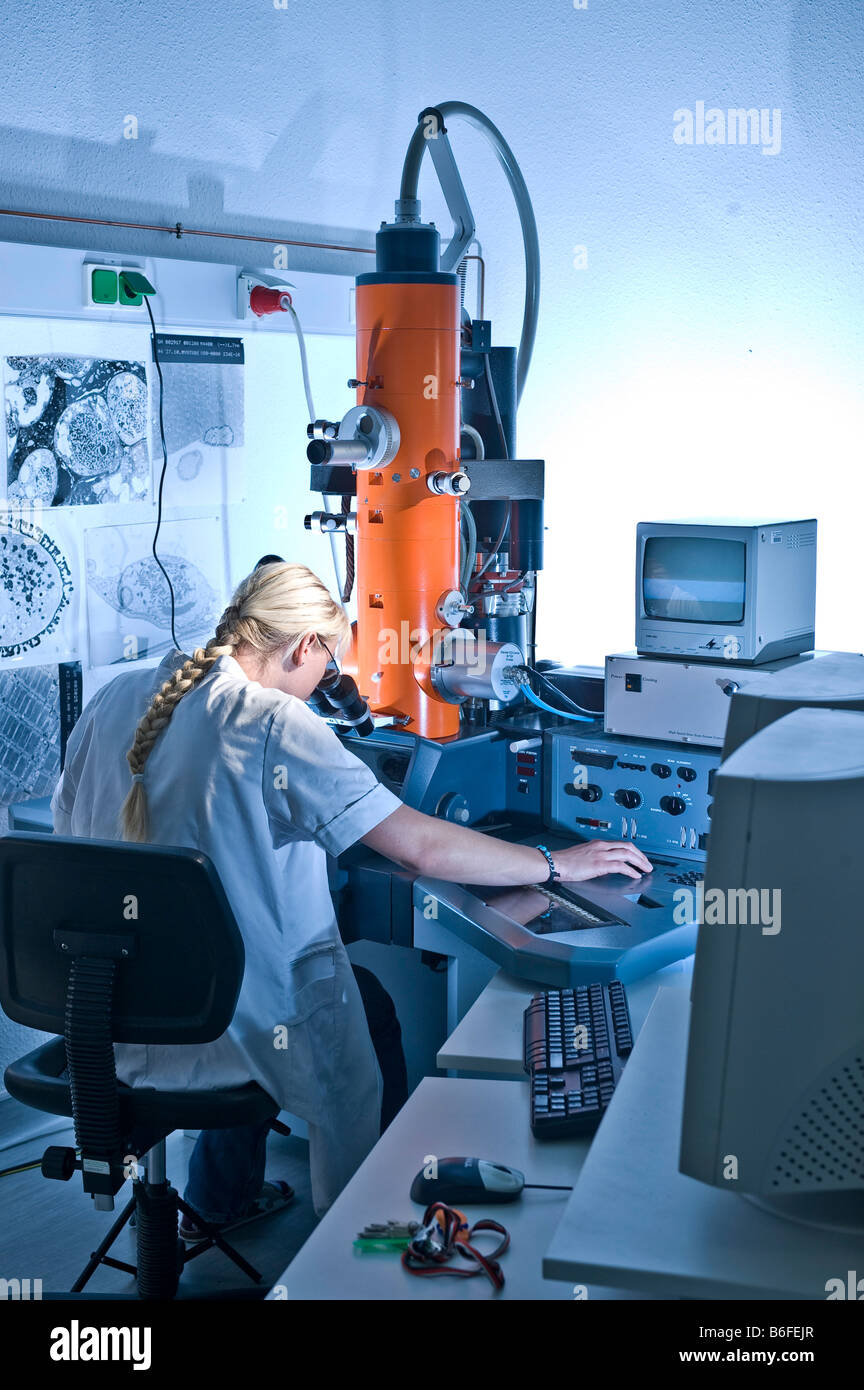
(687, 774)
(590, 793)
(626, 797)
(675, 805)
(661, 770)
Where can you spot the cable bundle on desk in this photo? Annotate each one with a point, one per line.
(445, 1233)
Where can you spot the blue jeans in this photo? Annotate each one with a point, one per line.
(226, 1168)
(226, 1171)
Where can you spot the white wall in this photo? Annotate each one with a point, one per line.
(709, 358)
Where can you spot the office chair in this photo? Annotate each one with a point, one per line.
(113, 942)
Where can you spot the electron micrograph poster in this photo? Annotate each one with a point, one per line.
(203, 415)
(76, 431)
(38, 592)
(38, 709)
(128, 598)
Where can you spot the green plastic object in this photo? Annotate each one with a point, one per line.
(103, 286)
(382, 1246)
(133, 287)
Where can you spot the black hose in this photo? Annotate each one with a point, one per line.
(507, 160)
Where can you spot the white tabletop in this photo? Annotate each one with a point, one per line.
(489, 1037)
(445, 1117)
(635, 1221)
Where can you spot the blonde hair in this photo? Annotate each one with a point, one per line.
(271, 611)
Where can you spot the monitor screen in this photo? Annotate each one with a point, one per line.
(694, 579)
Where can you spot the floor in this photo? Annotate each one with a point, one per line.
(48, 1229)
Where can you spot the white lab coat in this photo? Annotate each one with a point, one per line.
(260, 784)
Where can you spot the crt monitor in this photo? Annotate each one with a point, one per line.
(774, 1092)
(740, 590)
(835, 681)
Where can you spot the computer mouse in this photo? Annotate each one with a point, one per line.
(461, 1181)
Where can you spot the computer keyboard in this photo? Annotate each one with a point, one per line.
(576, 1043)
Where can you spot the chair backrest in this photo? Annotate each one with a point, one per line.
(162, 911)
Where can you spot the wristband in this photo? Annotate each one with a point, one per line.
(553, 872)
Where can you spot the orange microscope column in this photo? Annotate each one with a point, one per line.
(407, 536)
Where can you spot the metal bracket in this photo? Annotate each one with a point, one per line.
(452, 188)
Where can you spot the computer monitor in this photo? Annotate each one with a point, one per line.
(741, 590)
(834, 681)
(774, 1092)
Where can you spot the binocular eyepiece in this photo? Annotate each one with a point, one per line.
(336, 697)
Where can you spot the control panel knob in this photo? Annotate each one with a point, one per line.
(687, 774)
(629, 798)
(590, 793)
(675, 805)
(661, 770)
(454, 807)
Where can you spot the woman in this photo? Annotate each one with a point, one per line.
(228, 758)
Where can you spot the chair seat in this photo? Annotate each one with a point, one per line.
(37, 1080)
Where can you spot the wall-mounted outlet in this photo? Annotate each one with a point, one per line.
(103, 288)
(247, 281)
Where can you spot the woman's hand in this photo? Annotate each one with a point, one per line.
(600, 857)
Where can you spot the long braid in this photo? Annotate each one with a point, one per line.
(134, 812)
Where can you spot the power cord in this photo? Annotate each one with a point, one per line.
(579, 714)
(136, 283)
(20, 1168)
(550, 709)
(560, 695)
(346, 585)
(162, 474)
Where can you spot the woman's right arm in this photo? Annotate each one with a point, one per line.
(439, 849)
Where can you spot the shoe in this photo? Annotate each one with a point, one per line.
(272, 1198)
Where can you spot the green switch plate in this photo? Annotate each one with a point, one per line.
(103, 286)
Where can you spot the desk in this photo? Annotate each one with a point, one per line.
(444, 1116)
(635, 1221)
(489, 1037)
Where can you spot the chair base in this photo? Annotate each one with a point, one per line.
(162, 1255)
